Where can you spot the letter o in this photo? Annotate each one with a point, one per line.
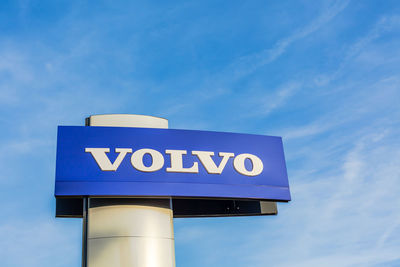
(238, 164)
(157, 160)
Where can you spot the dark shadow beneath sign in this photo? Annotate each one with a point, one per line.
(182, 208)
(186, 208)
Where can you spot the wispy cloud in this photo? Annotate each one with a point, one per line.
(275, 98)
(250, 63)
(220, 84)
(380, 95)
(384, 25)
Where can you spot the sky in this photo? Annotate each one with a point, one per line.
(324, 75)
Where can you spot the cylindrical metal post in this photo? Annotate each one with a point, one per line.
(129, 232)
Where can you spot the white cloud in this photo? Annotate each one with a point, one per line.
(220, 84)
(384, 25)
(250, 63)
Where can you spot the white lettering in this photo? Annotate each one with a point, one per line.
(238, 163)
(99, 155)
(177, 163)
(208, 162)
(157, 160)
(176, 156)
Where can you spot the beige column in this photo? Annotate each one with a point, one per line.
(129, 232)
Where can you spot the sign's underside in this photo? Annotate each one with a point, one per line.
(182, 208)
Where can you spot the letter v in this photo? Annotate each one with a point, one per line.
(99, 155)
(208, 162)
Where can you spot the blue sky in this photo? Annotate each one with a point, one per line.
(324, 75)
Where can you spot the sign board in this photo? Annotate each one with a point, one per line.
(142, 162)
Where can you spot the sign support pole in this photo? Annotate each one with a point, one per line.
(84, 231)
(128, 232)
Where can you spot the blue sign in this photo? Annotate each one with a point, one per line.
(119, 161)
